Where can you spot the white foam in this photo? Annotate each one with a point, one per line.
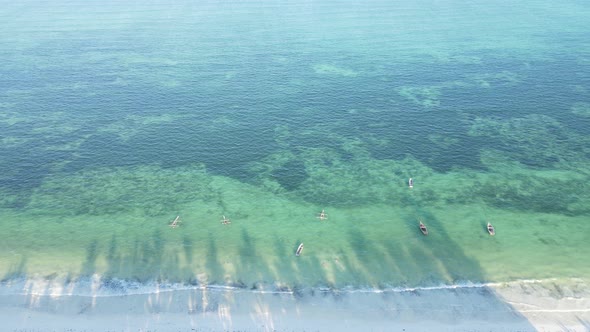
(98, 286)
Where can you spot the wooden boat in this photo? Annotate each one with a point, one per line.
(175, 222)
(299, 250)
(411, 183)
(491, 229)
(423, 229)
(225, 221)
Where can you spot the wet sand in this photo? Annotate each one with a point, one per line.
(542, 306)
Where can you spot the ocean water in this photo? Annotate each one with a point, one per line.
(116, 117)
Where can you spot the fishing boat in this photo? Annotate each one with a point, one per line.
(225, 221)
(491, 229)
(299, 250)
(411, 183)
(423, 229)
(175, 222)
(322, 215)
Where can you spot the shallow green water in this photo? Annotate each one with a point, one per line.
(115, 118)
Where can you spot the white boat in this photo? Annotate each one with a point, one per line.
(491, 229)
(175, 222)
(411, 183)
(299, 250)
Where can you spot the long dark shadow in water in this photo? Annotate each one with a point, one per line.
(88, 267)
(366, 255)
(214, 268)
(251, 265)
(16, 271)
(284, 266)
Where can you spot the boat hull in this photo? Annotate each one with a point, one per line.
(423, 229)
(299, 250)
(491, 230)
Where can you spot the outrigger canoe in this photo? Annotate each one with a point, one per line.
(299, 250)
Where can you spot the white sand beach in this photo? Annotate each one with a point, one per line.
(528, 306)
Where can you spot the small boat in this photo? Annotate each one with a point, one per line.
(322, 215)
(175, 222)
(225, 221)
(299, 250)
(423, 229)
(491, 229)
(411, 183)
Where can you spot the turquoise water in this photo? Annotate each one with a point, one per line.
(117, 117)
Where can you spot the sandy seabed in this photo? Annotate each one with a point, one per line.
(523, 306)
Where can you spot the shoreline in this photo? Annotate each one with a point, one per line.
(98, 286)
(524, 306)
